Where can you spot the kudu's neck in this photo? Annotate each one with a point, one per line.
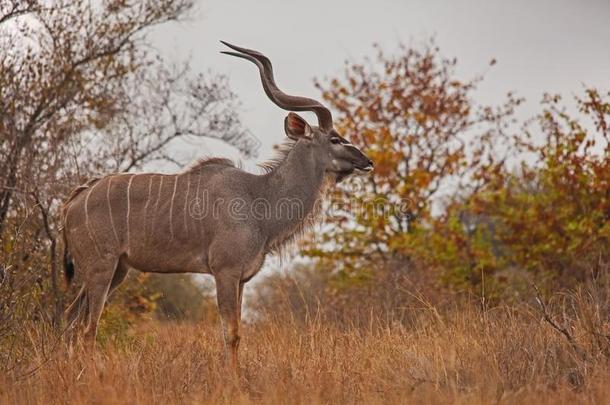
(293, 191)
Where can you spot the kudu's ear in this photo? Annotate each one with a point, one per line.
(296, 127)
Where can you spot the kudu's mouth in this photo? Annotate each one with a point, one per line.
(357, 170)
(365, 169)
(368, 167)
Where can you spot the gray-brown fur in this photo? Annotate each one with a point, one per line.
(213, 218)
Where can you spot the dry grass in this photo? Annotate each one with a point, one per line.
(460, 355)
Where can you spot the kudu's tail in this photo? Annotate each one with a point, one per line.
(68, 263)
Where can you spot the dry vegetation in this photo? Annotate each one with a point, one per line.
(445, 352)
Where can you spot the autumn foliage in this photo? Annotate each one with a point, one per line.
(460, 188)
(548, 215)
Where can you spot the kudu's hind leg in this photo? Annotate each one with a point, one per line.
(77, 308)
(98, 285)
(228, 295)
(119, 276)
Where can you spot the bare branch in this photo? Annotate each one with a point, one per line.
(561, 329)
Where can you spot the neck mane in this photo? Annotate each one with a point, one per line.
(295, 185)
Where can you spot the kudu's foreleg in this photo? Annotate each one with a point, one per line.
(228, 295)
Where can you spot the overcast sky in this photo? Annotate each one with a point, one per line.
(541, 45)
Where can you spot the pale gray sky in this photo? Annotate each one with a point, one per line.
(541, 45)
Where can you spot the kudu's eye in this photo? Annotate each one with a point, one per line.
(335, 140)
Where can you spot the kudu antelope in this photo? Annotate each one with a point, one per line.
(212, 218)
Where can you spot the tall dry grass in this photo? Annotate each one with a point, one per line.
(460, 353)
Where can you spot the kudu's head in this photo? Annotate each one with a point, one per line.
(335, 153)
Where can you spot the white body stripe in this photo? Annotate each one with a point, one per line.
(171, 208)
(116, 235)
(128, 207)
(150, 181)
(198, 201)
(87, 225)
(186, 202)
(148, 195)
(158, 195)
(156, 212)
